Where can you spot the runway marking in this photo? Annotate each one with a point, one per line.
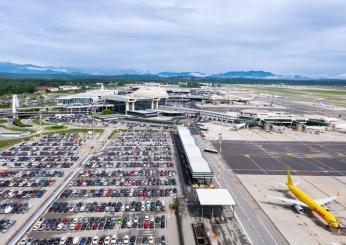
(309, 156)
(283, 170)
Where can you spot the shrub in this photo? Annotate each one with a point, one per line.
(17, 122)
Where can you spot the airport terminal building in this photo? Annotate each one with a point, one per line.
(143, 101)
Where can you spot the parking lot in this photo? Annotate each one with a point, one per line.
(30, 172)
(121, 196)
(73, 118)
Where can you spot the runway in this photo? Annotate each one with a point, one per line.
(273, 158)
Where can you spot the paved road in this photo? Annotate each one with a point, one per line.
(256, 224)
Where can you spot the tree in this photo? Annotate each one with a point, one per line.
(107, 111)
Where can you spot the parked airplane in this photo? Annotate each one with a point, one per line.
(306, 202)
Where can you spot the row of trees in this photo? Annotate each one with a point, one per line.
(21, 84)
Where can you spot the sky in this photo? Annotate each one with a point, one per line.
(306, 37)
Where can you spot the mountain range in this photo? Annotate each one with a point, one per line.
(29, 69)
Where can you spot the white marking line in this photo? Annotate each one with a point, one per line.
(236, 216)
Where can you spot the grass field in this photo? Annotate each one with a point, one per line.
(55, 127)
(114, 132)
(20, 129)
(335, 95)
(10, 142)
(76, 130)
(38, 122)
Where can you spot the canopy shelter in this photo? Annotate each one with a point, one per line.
(215, 199)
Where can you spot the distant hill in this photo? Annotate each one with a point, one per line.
(29, 69)
(245, 74)
(7, 67)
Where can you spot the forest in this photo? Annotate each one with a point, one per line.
(18, 84)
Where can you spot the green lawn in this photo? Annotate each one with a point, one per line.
(19, 129)
(17, 122)
(114, 132)
(10, 142)
(2, 121)
(38, 122)
(76, 130)
(335, 95)
(55, 127)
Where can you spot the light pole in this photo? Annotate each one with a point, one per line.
(93, 120)
(219, 173)
(40, 118)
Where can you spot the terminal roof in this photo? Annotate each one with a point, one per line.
(198, 165)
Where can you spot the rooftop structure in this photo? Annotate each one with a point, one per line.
(215, 197)
(144, 98)
(89, 97)
(198, 165)
(269, 116)
(69, 87)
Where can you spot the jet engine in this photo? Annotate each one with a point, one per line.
(299, 209)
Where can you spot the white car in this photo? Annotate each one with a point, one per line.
(95, 240)
(126, 239)
(75, 241)
(35, 227)
(63, 241)
(23, 240)
(107, 240)
(8, 210)
(60, 226)
(151, 240)
(114, 239)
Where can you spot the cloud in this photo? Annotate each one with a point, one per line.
(282, 36)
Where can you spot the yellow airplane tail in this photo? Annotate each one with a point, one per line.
(289, 179)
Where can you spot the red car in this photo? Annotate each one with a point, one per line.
(146, 224)
(77, 227)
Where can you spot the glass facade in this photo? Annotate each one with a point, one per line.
(119, 106)
(77, 101)
(142, 104)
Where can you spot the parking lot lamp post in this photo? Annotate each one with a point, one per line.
(219, 170)
(93, 121)
(40, 118)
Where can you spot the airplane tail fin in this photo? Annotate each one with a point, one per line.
(289, 179)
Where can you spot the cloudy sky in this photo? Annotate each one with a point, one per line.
(305, 37)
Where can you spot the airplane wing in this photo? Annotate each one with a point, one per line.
(290, 201)
(323, 201)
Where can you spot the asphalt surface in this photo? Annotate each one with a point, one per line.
(240, 108)
(273, 158)
(299, 108)
(255, 223)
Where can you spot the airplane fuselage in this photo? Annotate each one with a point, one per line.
(314, 206)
